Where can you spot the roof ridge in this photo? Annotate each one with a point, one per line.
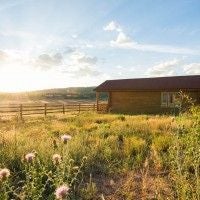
(156, 77)
(155, 83)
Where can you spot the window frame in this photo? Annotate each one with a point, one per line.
(164, 103)
(171, 100)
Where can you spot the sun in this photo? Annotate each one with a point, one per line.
(18, 79)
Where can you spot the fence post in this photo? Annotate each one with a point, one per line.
(79, 107)
(94, 107)
(20, 111)
(97, 100)
(63, 108)
(45, 109)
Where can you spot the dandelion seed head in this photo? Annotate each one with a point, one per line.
(62, 192)
(4, 174)
(65, 138)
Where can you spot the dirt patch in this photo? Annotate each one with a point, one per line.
(140, 185)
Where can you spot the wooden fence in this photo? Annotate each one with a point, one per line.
(44, 109)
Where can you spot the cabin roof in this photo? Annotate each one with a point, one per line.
(157, 83)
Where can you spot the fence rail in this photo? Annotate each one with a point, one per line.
(44, 109)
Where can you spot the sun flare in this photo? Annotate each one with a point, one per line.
(17, 79)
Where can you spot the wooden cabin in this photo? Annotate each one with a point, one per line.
(148, 95)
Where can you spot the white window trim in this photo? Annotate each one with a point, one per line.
(164, 104)
(169, 96)
(168, 104)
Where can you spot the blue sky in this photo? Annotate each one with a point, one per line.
(62, 43)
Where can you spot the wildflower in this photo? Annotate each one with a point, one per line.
(62, 192)
(30, 157)
(65, 138)
(4, 174)
(56, 158)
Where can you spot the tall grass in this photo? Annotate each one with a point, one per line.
(185, 156)
(109, 156)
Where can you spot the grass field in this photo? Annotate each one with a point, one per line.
(108, 156)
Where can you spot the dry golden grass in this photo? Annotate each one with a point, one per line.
(129, 157)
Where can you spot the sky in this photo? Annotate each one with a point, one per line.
(65, 43)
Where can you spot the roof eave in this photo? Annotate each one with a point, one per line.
(146, 90)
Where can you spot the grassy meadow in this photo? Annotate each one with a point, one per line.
(108, 156)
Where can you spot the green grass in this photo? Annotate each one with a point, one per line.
(109, 156)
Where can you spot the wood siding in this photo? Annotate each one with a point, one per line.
(140, 102)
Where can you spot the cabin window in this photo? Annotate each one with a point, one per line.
(169, 99)
(164, 97)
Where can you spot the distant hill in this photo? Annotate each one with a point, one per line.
(76, 93)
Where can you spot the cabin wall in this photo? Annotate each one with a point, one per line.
(195, 96)
(140, 102)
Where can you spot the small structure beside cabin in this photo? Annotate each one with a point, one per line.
(148, 95)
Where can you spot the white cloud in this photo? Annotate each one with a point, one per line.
(86, 71)
(122, 38)
(11, 58)
(192, 69)
(80, 58)
(80, 64)
(167, 68)
(165, 49)
(88, 60)
(45, 61)
(112, 26)
(125, 42)
(122, 41)
(69, 50)
(72, 61)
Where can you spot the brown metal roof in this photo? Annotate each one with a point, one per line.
(158, 83)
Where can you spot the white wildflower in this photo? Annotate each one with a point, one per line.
(65, 138)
